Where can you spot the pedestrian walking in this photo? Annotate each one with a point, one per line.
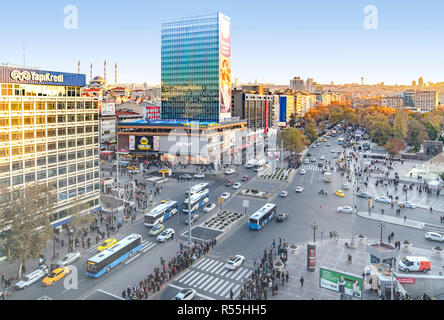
(231, 294)
(405, 218)
(301, 280)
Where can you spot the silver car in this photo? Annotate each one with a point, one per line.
(68, 259)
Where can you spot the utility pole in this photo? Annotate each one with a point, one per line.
(314, 227)
(381, 225)
(189, 215)
(117, 158)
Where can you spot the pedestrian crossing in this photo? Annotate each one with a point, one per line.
(314, 168)
(210, 275)
(146, 244)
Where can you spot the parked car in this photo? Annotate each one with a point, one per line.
(199, 176)
(156, 229)
(284, 194)
(365, 195)
(194, 218)
(68, 259)
(346, 209)
(435, 236)
(185, 176)
(235, 262)
(244, 178)
(209, 207)
(32, 277)
(230, 171)
(186, 294)
(383, 199)
(281, 217)
(166, 235)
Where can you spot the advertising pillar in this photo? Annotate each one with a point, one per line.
(311, 257)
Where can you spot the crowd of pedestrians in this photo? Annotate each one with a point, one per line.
(161, 275)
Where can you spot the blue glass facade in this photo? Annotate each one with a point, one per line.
(190, 69)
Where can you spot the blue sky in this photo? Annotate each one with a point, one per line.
(272, 41)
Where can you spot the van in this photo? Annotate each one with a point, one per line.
(411, 263)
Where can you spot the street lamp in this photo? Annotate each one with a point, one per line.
(314, 226)
(381, 225)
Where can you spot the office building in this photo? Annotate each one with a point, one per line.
(49, 133)
(196, 68)
(394, 102)
(420, 100)
(297, 84)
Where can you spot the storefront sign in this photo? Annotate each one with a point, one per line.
(340, 282)
(406, 280)
(41, 77)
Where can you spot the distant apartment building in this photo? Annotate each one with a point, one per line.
(286, 108)
(421, 100)
(310, 85)
(297, 84)
(394, 102)
(256, 88)
(260, 111)
(303, 103)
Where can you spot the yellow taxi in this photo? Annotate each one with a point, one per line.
(55, 276)
(339, 193)
(163, 171)
(163, 201)
(108, 243)
(340, 160)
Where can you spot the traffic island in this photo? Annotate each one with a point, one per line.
(224, 220)
(255, 193)
(278, 174)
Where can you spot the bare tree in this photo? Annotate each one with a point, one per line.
(25, 218)
(80, 217)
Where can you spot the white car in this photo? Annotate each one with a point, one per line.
(407, 204)
(230, 171)
(299, 189)
(313, 159)
(34, 276)
(68, 259)
(225, 195)
(328, 144)
(435, 236)
(322, 158)
(199, 176)
(346, 209)
(345, 186)
(284, 194)
(302, 171)
(237, 185)
(306, 161)
(235, 262)
(249, 165)
(209, 207)
(166, 235)
(185, 294)
(383, 199)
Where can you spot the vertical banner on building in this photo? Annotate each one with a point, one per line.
(224, 67)
(156, 143)
(131, 142)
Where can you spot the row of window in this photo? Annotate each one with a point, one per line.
(42, 133)
(47, 105)
(204, 38)
(67, 212)
(42, 175)
(43, 147)
(32, 90)
(30, 163)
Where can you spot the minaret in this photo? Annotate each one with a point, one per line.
(115, 75)
(104, 74)
(362, 81)
(91, 73)
(78, 66)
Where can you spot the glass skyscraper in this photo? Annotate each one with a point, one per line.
(196, 68)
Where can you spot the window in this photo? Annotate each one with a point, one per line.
(89, 176)
(4, 168)
(41, 175)
(71, 105)
(51, 119)
(80, 190)
(88, 129)
(79, 105)
(52, 172)
(71, 130)
(4, 106)
(62, 170)
(52, 146)
(80, 166)
(81, 178)
(80, 130)
(41, 161)
(52, 132)
(61, 105)
(71, 117)
(72, 193)
(16, 151)
(29, 149)
(52, 159)
(16, 180)
(72, 181)
(62, 144)
(89, 152)
(16, 121)
(40, 119)
(30, 163)
(4, 152)
(51, 105)
(71, 156)
(5, 182)
(62, 183)
(28, 106)
(4, 122)
(41, 134)
(30, 177)
(72, 168)
(80, 142)
(80, 154)
(41, 147)
(62, 196)
(80, 118)
(62, 157)
(61, 131)
(89, 188)
(71, 143)
(61, 118)
(89, 164)
(40, 105)
(29, 135)
(89, 141)
(17, 135)
(88, 117)
(16, 106)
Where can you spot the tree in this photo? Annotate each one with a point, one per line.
(380, 129)
(400, 124)
(416, 133)
(79, 218)
(431, 131)
(310, 131)
(25, 215)
(292, 121)
(292, 139)
(394, 146)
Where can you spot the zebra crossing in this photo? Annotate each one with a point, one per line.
(146, 244)
(314, 168)
(210, 275)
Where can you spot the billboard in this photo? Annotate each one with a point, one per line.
(146, 144)
(107, 109)
(224, 67)
(42, 77)
(132, 143)
(340, 282)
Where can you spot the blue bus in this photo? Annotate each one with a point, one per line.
(111, 257)
(341, 141)
(198, 188)
(197, 201)
(262, 216)
(161, 213)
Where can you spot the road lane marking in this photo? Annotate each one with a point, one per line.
(216, 267)
(136, 256)
(187, 276)
(217, 285)
(210, 284)
(222, 288)
(201, 280)
(191, 278)
(235, 273)
(203, 265)
(209, 279)
(241, 275)
(200, 262)
(208, 266)
(226, 293)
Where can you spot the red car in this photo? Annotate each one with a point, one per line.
(229, 183)
(244, 178)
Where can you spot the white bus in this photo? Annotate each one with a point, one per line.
(197, 201)
(261, 217)
(198, 188)
(161, 213)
